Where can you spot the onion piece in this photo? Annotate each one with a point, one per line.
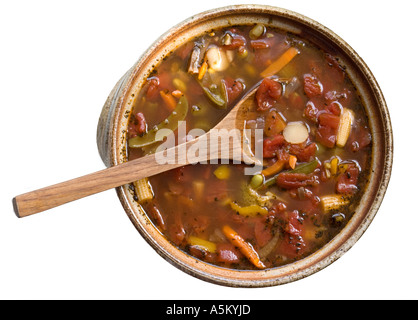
(296, 132)
(291, 87)
(268, 248)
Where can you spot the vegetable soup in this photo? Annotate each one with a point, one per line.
(316, 147)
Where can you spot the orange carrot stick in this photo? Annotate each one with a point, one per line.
(202, 70)
(274, 168)
(280, 63)
(246, 249)
(168, 99)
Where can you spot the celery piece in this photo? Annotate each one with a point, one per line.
(305, 168)
(215, 98)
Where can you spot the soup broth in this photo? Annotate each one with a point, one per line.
(316, 148)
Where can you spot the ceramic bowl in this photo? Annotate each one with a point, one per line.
(112, 128)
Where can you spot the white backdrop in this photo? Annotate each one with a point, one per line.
(58, 63)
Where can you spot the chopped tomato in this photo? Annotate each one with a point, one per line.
(327, 129)
(202, 254)
(262, 231)
(177, 233)
(267, 94)
(308, 202)
(156, 214)
(228, 253)
(141, 127)
(329, 120)
(233, 89)
(312, 86)
(277, 209)
(335, 108)
(293, 244)
(272, 145)
(311, 111)
(153, 91)
(282, 155)
(294, 225)
(334, 95)
(132, 130)
(260, 44)
(304, 154)
(347, 181)
(290, 180)
(137, 126)
(326, 136)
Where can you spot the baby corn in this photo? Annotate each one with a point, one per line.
(344, 128)
(143, 190)
(332, 202)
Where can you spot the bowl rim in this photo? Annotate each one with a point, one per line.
(382, 158)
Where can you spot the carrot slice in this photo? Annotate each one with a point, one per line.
(292, 161)
(246, 249)
(274, 168)
(280, 63)
(168, 100)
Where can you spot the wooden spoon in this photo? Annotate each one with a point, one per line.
(64, 192)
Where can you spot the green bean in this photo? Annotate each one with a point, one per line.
(305, 168)
(269, 182)
(215, 98)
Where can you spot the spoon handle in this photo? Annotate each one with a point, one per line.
(49, 197)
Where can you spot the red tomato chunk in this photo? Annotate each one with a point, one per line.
(267, 94)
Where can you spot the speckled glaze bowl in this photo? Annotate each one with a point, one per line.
(112, 127)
